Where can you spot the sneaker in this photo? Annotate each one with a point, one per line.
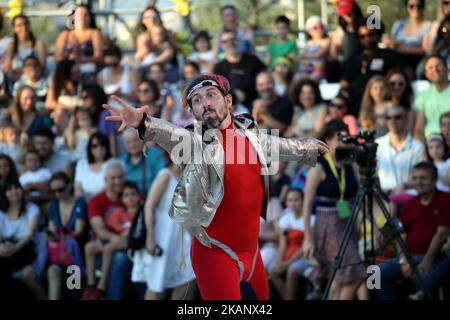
(314, 295)
(87, 293)
(97, 294)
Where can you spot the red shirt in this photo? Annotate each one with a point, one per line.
(236, 222)
(421, 222)
(102, 206)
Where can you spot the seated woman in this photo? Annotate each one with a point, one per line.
(291, 264)
(23, 45)
(67, 214)
(18, 226)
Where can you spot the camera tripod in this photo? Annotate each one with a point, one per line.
(368, 192)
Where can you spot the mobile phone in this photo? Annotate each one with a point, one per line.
(158, 251)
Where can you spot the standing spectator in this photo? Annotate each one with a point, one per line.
(334, 185)
(82, 43)
(240, 69)
(32, 76)
(23, 45)
(69, 214)
(156, 264)
(437, 152)
(426, 221)
(282, 47)
(203, 53)
(18, 226)
(54, 160)
(444, 124)
(397, 152)
(141, 169)
(285, 275)
(374, 105)
(359, 69)
(407, 37)
(244, 36)
(89, 176)
(98, 208)
(433, 102)
(309, 109)
(270, 110)
(314, 57)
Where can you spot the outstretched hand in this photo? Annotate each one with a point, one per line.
(130, 117)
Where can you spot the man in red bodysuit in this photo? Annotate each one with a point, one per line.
(220, 204)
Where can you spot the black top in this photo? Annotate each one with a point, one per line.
(281, 109)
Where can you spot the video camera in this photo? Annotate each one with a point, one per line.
(360, 148)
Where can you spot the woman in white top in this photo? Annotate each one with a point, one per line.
(116, 78)
(165, 270)
(18, 226)
(89, 177)
(23, 45)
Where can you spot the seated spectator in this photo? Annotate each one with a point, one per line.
(89, 177)
(270, 110)
(150, 18)
(141, 169)
(203, 53)
(67, 215)
(238, 108)
(32, 77)
(374, 106)
(149, 95)
(309, 109)
(118, 223)
(283, 47)
(18, 226)
(444, 125)
(437, 153)
(54, 160)
(401, 91)
(397, 152)
(157, 264)
(338, 108)
(314, 57)
(34, 178)
(230, 22)
(10, 144)
(25, 116)
(291, 264)
(442, 45)
(23, 45)
(4, 89)
(426, 221)
(117, 78)
(8, 171)
(157, 73)
(191, 70)
(4, 40)
(81, 43)
(430, 104)
(63, 89)
(98, 208)
(240, 69)
(430, 38)
(359, 69)
(407, 37)
(76, 135)
(282, 75)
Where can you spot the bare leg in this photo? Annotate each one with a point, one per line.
(150, 295)
(54, 282)
(91, 249)
(186, 291)
(363, 293)
(292, 279)
(335, 291)
(348, 291)
(29, 278)
(278, 282)
(108, 251)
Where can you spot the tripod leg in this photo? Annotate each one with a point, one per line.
(403, 247)
(341, 250)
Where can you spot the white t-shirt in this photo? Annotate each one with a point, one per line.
(443, 172)
(289, 221)
(92, 182)
(17, 229)
(42, 175)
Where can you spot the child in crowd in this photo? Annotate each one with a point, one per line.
(283, 46)
(437, 152)
(285, 275)
(203, 53)
(118, 221)
(78, 132)
(35, 177)
(10, 142)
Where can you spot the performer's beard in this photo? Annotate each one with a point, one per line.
(213, 121)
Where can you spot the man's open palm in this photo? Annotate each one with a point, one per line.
(130, 117)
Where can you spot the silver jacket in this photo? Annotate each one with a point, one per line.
(201, 189)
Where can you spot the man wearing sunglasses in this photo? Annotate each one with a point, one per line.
(220, 198)
(373, 61)
(397, 152)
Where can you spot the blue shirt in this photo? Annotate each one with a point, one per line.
(154, 161)
(79, 211)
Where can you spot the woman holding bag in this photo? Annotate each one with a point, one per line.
(67, 219)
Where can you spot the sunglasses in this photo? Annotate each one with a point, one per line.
(84, 97)
(415, 6)
(144, 90)
(59, 190)
(396, 117)
(151, 17)
(228, 41)
(31, 65)
(397, 83)
(367, 35)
